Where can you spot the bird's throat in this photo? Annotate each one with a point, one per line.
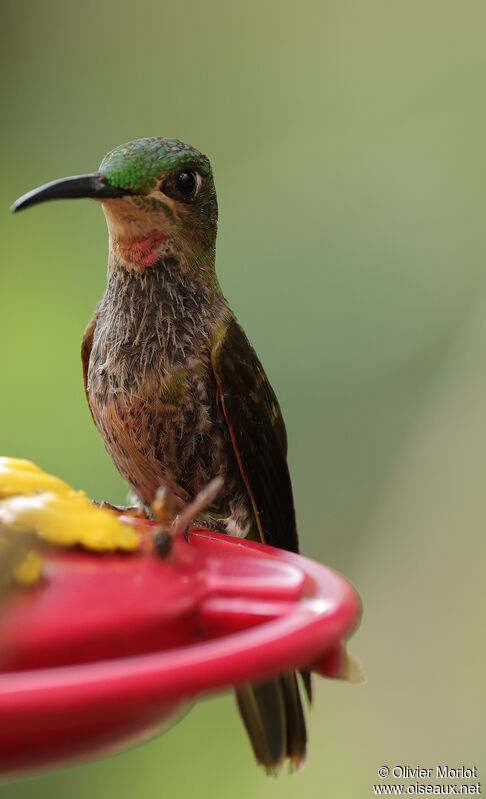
(142, 251)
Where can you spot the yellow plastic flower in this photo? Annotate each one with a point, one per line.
(39, 503)
(18, 476)
(29, 570)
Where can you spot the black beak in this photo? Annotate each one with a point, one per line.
(95, 186)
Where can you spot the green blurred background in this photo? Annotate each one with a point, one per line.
(347, 141)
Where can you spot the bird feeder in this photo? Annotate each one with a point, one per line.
(106, 648)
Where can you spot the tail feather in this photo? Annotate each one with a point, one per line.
(306, 679)
(274, 719)
(296, 730)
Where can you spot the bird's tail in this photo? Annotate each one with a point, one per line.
(274, 720)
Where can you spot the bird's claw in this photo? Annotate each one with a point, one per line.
(163, 512)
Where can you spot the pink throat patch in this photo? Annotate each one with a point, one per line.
(143, 251)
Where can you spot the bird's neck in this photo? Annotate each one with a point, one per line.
(143, 251)
(138, 242)
(158, 312)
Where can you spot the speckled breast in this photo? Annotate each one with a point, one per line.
(153, 393)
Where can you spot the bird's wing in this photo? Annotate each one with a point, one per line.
(86, 345)
(257, 432)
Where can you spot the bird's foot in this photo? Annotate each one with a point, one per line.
(170, 526)
(211, 524)
(135, 511)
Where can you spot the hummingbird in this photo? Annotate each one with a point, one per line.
(173, 384)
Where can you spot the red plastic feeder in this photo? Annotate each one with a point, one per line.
(107, 648)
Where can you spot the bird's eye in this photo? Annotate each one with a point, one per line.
(184, 186)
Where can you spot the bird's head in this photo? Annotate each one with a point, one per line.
(159, 201)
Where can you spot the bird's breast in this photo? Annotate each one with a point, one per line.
(151, 386)
(160, 428)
